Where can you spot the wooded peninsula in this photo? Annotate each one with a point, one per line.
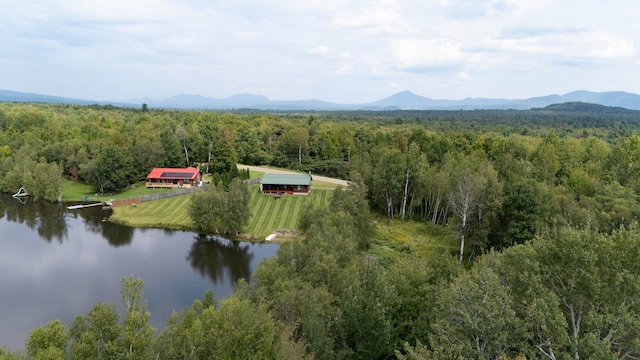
(488, 234)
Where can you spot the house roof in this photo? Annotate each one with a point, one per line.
(174, 173)
(286, 179)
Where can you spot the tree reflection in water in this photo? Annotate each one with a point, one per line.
(211, 255)
(48, 219)
(95, 220)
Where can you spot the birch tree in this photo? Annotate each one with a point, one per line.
(414, 159)
(137, 333)
(474, 188)
(388, 179)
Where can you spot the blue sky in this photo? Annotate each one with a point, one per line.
(334, 50)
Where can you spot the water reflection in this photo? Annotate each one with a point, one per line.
(56, 264)
(46, 218)
(212, 255)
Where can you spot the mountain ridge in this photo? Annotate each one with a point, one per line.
(404, 100)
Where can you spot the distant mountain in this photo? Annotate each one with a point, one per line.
(242, 101)
(16, 96)
(408, 100)
(405, 100)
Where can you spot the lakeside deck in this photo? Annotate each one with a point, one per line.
(82, 206)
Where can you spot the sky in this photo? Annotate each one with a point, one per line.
(345, 51)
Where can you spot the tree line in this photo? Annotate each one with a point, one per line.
(481, 175)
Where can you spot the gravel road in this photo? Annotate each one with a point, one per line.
(276, 171)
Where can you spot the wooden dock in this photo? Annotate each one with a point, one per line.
(82, 206)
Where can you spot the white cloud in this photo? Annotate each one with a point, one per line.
(319, 50)
(380, 18)
(426, 55)
(572, 47)
(463, 76)
(123, 49)
(474, 8)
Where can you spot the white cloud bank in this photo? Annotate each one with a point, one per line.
(345, 51)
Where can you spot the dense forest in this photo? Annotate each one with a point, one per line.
(543, 204)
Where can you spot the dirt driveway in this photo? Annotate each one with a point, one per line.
(276, 171)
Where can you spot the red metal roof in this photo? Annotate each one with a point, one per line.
(173, 173)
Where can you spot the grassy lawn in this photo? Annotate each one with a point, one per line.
(73, 191)
(168, 213)
(268, 214)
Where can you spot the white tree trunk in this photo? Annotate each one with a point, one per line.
(404, 199)
(186, 153)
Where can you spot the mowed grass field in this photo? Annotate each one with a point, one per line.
(268, 214)
(168, 213)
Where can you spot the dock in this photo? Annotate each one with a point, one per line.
(82, 206)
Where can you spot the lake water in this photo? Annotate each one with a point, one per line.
(57, 263)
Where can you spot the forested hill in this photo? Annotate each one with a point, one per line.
(585, 107)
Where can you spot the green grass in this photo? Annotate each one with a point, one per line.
(268, 214)
(418, 238)
(168, 213)
(74, 190)
(315, 184)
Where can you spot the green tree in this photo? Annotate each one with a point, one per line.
(368, 307)
(523, 213)
(236, 205)
(221, 211)
(576, 292)
(625, 158)
(111, 169)
(388, 180)
(184, 336)
(353, 202)
(474, 195)
(475, 318)
(48, 342)
(545, 159)
(242, 330)
(6, 354)
(47, 181)
(205, 210)
(95, 335)
(222, 153)
(137, 333)
(417, 281)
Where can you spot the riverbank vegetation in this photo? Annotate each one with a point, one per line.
(541, 207)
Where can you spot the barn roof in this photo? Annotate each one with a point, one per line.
(286, 179)
(174, 173)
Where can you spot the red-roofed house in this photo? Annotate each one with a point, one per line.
(174, 177)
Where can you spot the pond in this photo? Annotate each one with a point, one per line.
(57, 263)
